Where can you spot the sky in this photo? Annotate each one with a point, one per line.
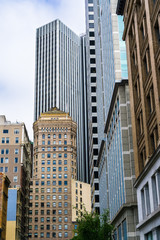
(18, 22)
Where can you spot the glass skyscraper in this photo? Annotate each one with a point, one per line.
(60, 81)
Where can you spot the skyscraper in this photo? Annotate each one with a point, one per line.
(142, 37)
(109, 103)
(60, 79)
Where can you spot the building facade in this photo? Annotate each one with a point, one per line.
(4, 184)
(120, 165)
(60, 77)
(142, 37)
(16, 162)
(54, 173)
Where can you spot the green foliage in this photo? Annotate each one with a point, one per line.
(92, 226)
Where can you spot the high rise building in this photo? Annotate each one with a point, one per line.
(110, 105)
(60, 77)
(4, 184)
(54, 188)
(92, 96)
(16, 163)
(142, 37)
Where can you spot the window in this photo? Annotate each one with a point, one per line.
(59, 135)
(54, 155)
(66, 212)
(59, 142)
(54, 162)
(15, 169)
(59, 169)
(66, 219)
(65, 142)
(5, 131)
(2, 160)
(90, 9)
(65, 162)
(65, 155)
(16, 131)
(17, 140)
(1, 169)
(43, 162)
(59, 219)
(15, 179)
(91, 34)
(48, 155)
(59, 183)
(42, 219)
(65, 183)
(16, 151)
(3, 140)
(91, 25)
(65, 226)
(60, 175)
(54, 234)
(59, 204)
(65, 169)
(6, 160)
(6, 169)
(59, 155)
(43, 169)
(59, 211)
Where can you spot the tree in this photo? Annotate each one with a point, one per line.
(92, 226)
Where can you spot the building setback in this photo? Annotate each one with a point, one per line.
(60, 81)
(54, 170)
(142, 37)
(16, 163)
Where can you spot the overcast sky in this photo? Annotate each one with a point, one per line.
(18, 22)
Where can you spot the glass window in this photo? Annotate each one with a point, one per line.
(59, 169)
(54, 162)
(16, 151)
(6, 160)
(60, 136)
(16, 131)
(65, 183)
(15, 169)
(65, 162)
(16, 160)
(43, 162)
(17, 140)
(7, 140)
(65, 155)
(2, 160)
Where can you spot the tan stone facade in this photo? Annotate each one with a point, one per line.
(16, 163)
(81, 198)
(53, 169)
(142, 36)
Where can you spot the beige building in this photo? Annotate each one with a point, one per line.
(16, 163)
(142, 36)
(53, 168)
(54, 175)
(4, 184)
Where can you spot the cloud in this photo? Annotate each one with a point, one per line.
(19, 20)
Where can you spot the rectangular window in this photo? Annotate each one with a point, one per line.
(17, 140)
(3, 140)
(15, 169)
(5, 131)
(7, 140)
(90, 9)
(16, 131)
(16, 151)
